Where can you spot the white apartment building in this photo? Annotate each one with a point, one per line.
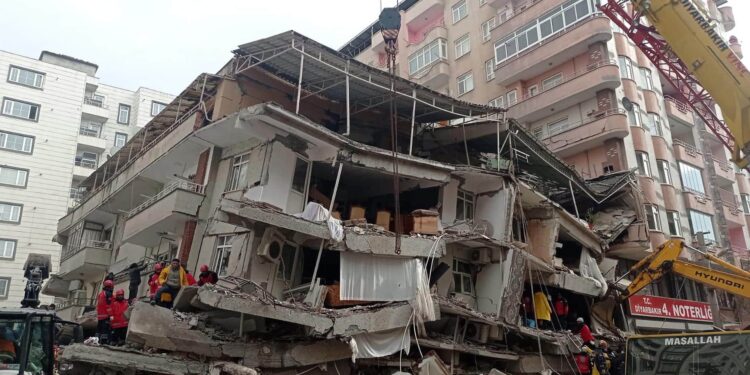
(57, 124)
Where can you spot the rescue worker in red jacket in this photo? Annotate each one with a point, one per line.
(188, 275)
(207, 276)
(104, 312)
(153, 281)
(119, 323)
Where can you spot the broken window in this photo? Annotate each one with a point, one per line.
(223, 250)
(301, 172)
(652, 217)
(288, 264)
(462, 277)
(238, 174)
(674, 224)
(644, 167)
(464, 205)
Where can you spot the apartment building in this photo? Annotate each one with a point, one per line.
(276, 172)
(581, 87)
(58, 123)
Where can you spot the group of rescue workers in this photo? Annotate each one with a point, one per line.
(544, 313)
(164, 284)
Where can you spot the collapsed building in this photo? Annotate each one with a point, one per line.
(278, 172)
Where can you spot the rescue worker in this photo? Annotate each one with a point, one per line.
(134, 274)
(7, 345)
(617, 358)
(600, 360)
(207, 276)
(583, 360)
(171, 280)
(119, 323)
(561, 311)
(190, 278)
(585, 332)
(153, 281)
(528, 311)
(104, 312)
(542, 311)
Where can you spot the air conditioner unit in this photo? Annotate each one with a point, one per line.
(481, 256)
(271, 245)
(477, 332)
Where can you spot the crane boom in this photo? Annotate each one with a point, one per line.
(684, 45)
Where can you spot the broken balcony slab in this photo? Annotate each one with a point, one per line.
(285, 354)
(469, 348)
(364, 319)
(111, 359)
(456, 307)
(384, 243)
(574, 283)
(263, 213)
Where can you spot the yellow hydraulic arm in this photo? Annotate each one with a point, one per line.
(652, 268)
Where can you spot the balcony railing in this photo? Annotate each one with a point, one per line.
(94, 102)
(86, 163)
(89, 131)
(596, 116)
(69, 251)
(568, 78)
(75, 302)
(168, 188)
(692, 150)
(729, 200)
(723, 165)
(680, 105)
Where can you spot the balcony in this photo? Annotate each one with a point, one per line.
(732, 209)
(420, 39)
(724, 171)
(424, 12)
(88, 261)
(435, 76)
(554, 50)
(571, 90)
(164, 214)
(678, 111)
(84, 167)
(687, 153)
(89, 137)
(594, 131)
(695, 200)
(95, 108)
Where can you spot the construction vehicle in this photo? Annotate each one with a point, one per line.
(29, 335)
(682, 42)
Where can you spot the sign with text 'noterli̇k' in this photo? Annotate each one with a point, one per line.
(670, 308)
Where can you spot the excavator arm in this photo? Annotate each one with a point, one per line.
(667, 260)
(682, 42)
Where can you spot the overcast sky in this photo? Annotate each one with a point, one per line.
(164, 44)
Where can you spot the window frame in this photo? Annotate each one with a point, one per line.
(466, 79)
(154, 103)
(119, 134)
(463, 276)
(466, 199)
(497, 102)
(5, 140)
(655, 128)
(664, 171)
(9, 99)
(20, 213)
(635, 119)
(4, 293)
(36, 72)
(745, 200)
(515, 97)
(489, 70)
(13, 251)
(648, 78)
(643, 162)
(237, 162)
(487, 27)
(688, 179)
(626, 67)
(692, 214)
(674, 219)
(120, 107)
(456, 11)
(308, 173)
(464, 42)
(220, 249)
(423, 53)
(552, 81)
(25, 178)
(561, 123)
(652, 213)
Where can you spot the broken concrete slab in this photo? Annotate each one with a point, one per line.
(574, 283)
(365, 320)
(482, 351)
(110, 358)
(281, 354)
(182, 301)
(256, 212)
(383, 244)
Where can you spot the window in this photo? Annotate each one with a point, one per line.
(25, 77)
(10, 212)
(464, 205)
(497, 102)
(557, 127)
(655, 124)
(537, 133)
(551, 82)
(487, 27)
(4, 286)
(674, 224)
(462, 277)
(745, 203)
(425, 56)
(665, 177)
(626, 68)
(301, 174)
(238, 177)
(157, 107)
(533, 90)
(512, 97)
(19, 109)
(652, 217)
(692, 178)
(120, 139)
(462, 45)
(700, 222)
(87, 160)
(530, 34)
(16, 142)
(223, 250)
(609, 168)
(13, 176)
(123, 114)
(644, 167)
(648, 81)
(460, 11)
(489, 69)
(288, 264)
(7, 248)
(465, 83)
(634, 116)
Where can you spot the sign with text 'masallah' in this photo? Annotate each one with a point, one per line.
(670, 308)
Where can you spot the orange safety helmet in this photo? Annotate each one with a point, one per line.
(204, 268)
(109, 284)
(120, 292)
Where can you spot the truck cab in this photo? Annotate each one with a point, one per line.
(27, 341)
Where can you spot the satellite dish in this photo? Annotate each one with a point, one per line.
(627, 104)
